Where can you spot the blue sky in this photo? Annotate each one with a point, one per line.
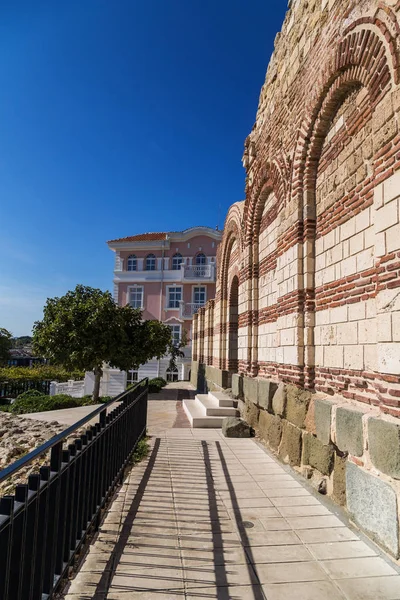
(117, 117)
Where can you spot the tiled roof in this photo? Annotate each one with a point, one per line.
(142, 237)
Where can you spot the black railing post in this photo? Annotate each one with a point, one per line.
(64, 520)
(43, 494)
(52, 517)
(6, 523)
(18, 542)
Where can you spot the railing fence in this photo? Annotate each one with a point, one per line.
(12, 389)
(47, 520)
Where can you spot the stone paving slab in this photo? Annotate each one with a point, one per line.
(209, 517)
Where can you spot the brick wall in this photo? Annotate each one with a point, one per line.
(315, 245)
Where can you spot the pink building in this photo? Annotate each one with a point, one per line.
(169, 276)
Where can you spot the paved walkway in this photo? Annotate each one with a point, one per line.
(208, 517)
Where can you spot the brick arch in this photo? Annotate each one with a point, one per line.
(361, 60)
(272, 177)
(233, 324)
(232, 232)
(383, 24)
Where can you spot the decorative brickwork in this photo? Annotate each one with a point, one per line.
(315, 245)
(319, 229)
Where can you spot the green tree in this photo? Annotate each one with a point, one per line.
(5, 345)
(176, 350)
(20, 342)
(85, 329)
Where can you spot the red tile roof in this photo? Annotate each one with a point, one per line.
(142, 237)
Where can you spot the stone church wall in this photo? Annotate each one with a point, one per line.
(305, 324)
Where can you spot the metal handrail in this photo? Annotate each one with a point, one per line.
(46, 446)
(47, 521)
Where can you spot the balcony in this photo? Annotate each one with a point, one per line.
(189, 309)
(186, 274)
(198, 272)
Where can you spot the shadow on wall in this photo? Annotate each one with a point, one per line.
(201, 384)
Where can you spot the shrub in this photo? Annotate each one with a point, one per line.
(31, 394)
(39, 373)
(159, 380)
(154, 386)
(33, 403)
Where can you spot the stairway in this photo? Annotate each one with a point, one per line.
(209, 410)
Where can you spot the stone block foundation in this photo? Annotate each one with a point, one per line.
(349, 451)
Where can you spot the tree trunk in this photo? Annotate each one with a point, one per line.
(96, 390)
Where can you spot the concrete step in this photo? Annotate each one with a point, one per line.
(223, 399)
(195, 412)
(212, 407)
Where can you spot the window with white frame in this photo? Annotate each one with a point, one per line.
(131, 264)
(199, 295)
(174, 297)
(150, 262)
(177, 260)
(172, 375)
(176, 334)
(132, 377)
(201, 259)
(136, 297)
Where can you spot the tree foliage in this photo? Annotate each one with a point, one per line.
(20, 342)
(39, 373)
(85, 329)
(5, 345)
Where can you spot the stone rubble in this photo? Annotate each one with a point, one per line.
(18, 436)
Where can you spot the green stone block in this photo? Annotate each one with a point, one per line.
(316, 454)
(250, 389)
(349, 431)
(297, 403)
(384, 446)
(266, 390)
(270, 429)
(290, 448)
(322, 418)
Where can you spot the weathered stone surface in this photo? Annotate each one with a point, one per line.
(316, 454)
(339, 479)
(270, 429)
(266, 390)
(384, 446)
(297, 403)
(309, 423)
(349, 430)
(237, 386)
(250, 387)
(290, 447)
(251, 413)
(193, 373)
(220, 378)
(373, 505)
(323, 413)
(279, 400)
(235, 428)
(18, 436)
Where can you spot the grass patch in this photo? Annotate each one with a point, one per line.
(142, 450)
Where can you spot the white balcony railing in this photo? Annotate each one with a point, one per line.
(188, 273)
(198, 272)
(189, 309)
